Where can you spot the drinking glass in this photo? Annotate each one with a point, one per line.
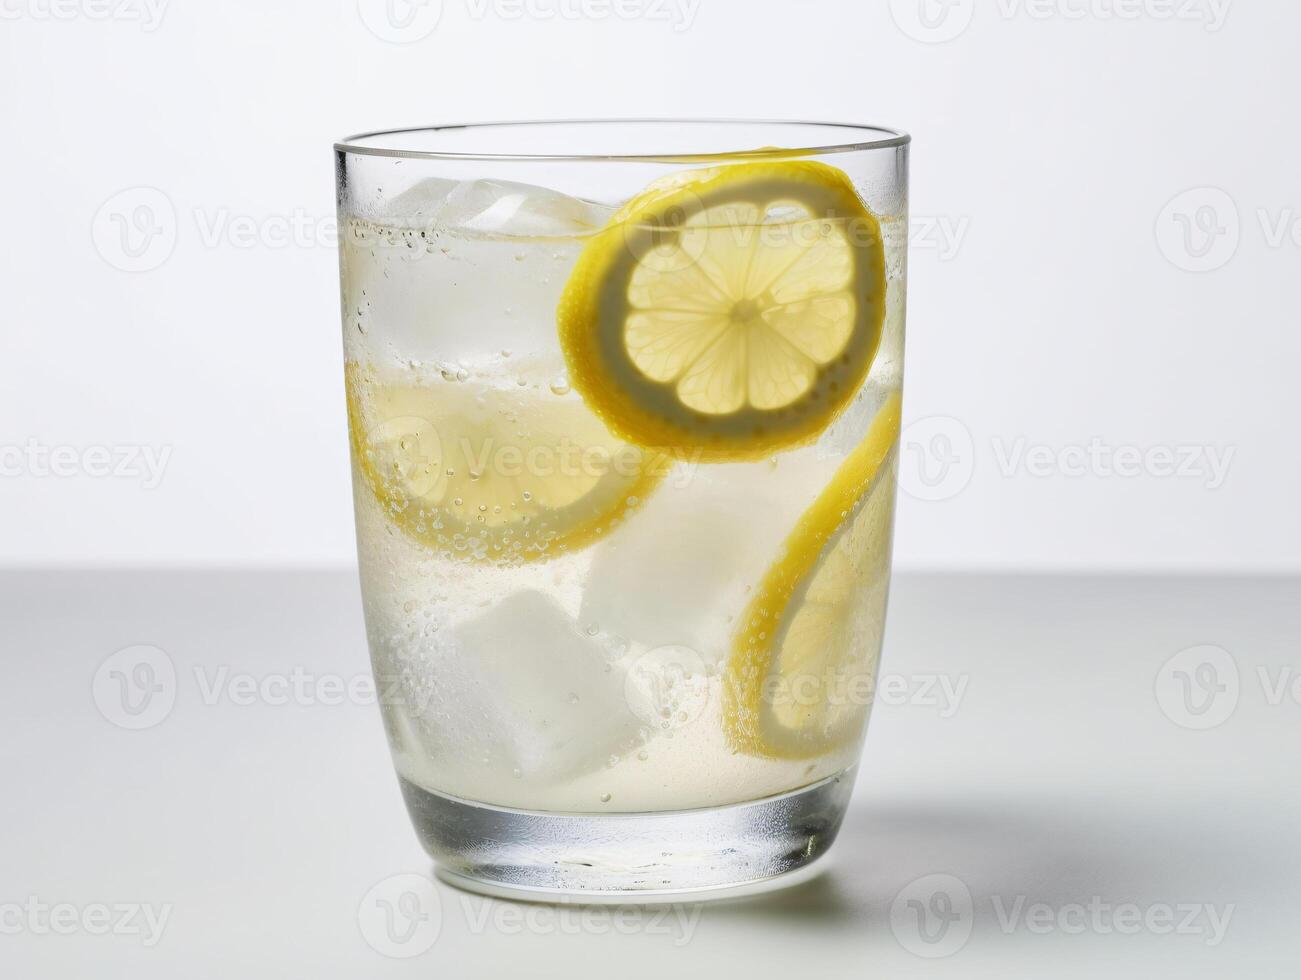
(623, 404)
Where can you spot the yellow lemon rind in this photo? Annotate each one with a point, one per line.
(440, 530)
(778, 596)
(645, 413)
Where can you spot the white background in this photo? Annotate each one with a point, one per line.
(1049, 141)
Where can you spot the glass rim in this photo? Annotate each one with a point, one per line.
(870, 137)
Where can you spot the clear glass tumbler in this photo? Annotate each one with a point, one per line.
(624, 411)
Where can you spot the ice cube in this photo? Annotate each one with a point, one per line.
(694, 551)
(496, 208)
(522, 690)
(419, 206)
(507, 209)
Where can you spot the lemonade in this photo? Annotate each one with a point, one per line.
(624, 486)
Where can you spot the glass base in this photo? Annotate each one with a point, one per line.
(630, 857)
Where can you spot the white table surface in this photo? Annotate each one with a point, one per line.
(1056, 793)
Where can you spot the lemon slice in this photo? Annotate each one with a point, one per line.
(799, 680)
(730, 311)
(493, 475)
